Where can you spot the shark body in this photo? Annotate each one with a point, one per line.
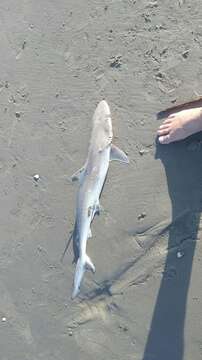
(91, 179)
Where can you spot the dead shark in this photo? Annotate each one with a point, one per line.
(91, 179)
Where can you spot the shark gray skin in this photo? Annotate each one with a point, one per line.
(91, 181)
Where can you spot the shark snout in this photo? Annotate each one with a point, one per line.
(103, 108)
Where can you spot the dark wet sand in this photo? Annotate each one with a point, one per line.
(58, 60)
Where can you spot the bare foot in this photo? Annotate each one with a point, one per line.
(180, 125)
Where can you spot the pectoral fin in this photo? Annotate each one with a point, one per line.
(78, 175)
(89, 264)
(118, 155)
(98, 209)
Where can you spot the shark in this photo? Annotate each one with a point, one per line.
(91, 178)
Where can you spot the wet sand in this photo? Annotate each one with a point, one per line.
(58, 60)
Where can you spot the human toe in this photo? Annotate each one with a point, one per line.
(165, 139)
(163, 129)
(168, 120)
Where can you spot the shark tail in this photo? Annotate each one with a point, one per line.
(83, 263)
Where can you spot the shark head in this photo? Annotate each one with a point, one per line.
(103, 107)
(102, 124)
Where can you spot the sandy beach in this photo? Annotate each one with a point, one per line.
(58, 60)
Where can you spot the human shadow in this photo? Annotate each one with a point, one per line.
(183, 167)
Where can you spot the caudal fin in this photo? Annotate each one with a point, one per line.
(82, 265)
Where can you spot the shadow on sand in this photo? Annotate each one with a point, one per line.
(183, 167)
